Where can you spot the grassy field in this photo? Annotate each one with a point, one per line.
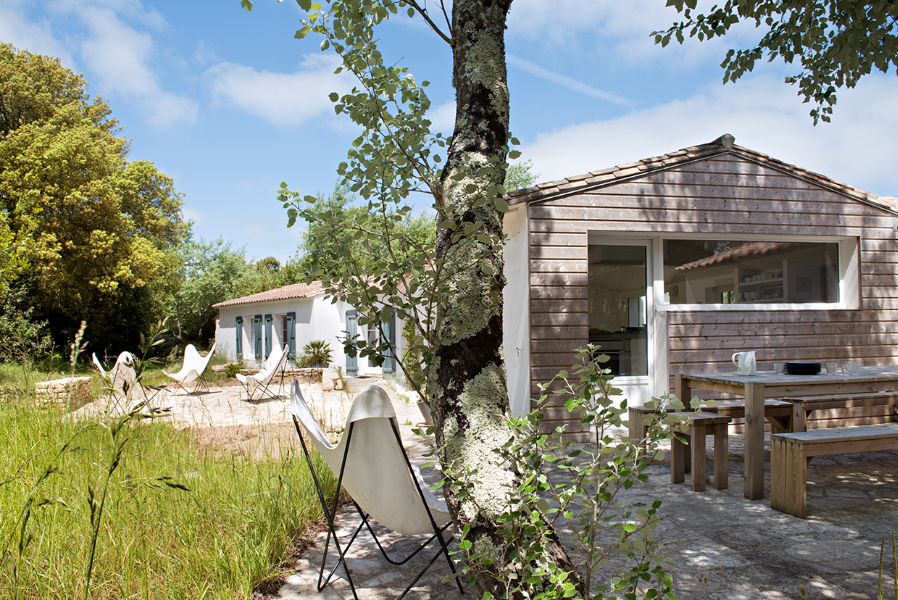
(218, 539)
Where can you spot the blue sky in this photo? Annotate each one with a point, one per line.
(229, 104)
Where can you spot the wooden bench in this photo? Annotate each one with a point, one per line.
(778, 412)
(804, 406)
(697, 426)
(790, 453)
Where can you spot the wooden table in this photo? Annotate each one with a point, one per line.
(767, 384)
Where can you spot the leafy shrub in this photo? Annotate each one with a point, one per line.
(21, 336)
(570, 485)
(315, 354)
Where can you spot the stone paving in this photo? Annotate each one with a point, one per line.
(224, 406)
(718, 544)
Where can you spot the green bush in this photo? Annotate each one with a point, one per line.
(316, 353)
(231, 370)
(21, 336)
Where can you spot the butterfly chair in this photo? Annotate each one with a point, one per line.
(192, 370)
(276, 361)
(122, 380)
(370, 463)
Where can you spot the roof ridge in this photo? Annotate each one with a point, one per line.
(723, 144)
(285, 292)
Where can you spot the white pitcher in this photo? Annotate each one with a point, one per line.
(746, 363)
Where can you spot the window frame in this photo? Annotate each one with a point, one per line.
(849, 273)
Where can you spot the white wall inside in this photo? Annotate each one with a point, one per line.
(516, 313)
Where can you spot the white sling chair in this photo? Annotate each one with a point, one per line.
(276, 361)
(370, 463)
(192, 370)
(122, 380)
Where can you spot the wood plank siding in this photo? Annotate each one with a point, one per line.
(720, 195)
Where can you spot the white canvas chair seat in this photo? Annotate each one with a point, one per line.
(370, 463)
(122, 379)
(193, 368)
(276, 361)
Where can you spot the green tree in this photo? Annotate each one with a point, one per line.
(519, 175)
(835, 42)
(343, 234)
(210, 272)
(456, 295)
(87, 233)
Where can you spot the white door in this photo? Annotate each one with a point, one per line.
(621, 311)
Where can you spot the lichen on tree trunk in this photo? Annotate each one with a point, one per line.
(468, 384)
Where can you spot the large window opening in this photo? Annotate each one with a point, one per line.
(750, 272)
(617, 306)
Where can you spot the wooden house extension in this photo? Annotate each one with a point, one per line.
(675, 262)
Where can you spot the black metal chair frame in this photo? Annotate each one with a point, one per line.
(266, 392)
(330, 515)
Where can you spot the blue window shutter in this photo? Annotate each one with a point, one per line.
(352, 330)
(239, 328)
(291, 335)
(267, 335)
(257, 336)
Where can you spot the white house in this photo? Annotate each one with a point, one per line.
(249, 327)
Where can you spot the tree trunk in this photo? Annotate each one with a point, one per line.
(468, 384)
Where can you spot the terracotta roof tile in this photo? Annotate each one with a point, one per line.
(722, 145)
(288, 292)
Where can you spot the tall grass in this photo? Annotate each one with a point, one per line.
(218, 539)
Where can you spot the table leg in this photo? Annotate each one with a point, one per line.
(754, 441)
(799, 417)
(683, 391)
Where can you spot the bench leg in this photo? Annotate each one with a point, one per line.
(721, 456)
(637, 426)
(789, 476)
(699, 456)
(677, 459)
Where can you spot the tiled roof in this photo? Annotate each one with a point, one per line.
(722, 145)
(740, 251)
(288, 292)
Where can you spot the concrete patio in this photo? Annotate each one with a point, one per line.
(718, 544)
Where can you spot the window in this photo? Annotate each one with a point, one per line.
(750, 272)
(617, 306)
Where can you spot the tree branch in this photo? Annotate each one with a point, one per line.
(423, 12)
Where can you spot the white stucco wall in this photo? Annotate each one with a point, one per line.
(316, 319)
(516, 313)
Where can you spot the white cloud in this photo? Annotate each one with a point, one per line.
(442, 117)
(121, 57)
(763, 113)
(280, 98)
(566, 82)
(618, 28)
(35, 36)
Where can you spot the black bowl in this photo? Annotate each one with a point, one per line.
(802, 368)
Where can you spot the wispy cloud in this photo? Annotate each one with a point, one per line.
(33, 35)
(279, 98)
(122, 57)
(762, 112)
(442, 116)
(567, 82)
(613, 30)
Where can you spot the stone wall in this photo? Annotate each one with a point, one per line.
(71, 392)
